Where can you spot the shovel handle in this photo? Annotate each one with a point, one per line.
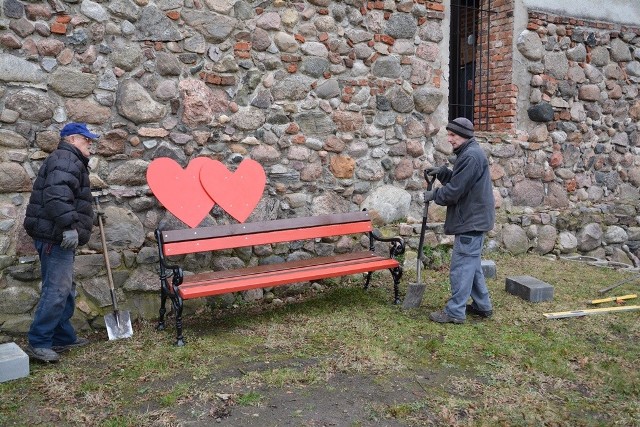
(106, 257)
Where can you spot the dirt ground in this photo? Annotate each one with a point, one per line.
(344, 400)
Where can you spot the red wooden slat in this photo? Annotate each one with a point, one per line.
(258, 238)
(210, 276)
(173, 236)
(243, 283)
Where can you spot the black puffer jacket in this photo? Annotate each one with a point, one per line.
(61, 197)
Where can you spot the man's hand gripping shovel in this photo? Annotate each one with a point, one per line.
(415, 291)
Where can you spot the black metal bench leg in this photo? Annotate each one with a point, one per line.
(367, 280)
(177, 306)
(163, 310)
(396, 273)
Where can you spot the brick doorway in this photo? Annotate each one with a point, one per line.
(470, 61)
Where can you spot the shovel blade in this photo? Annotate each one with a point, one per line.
(413, 299)
(118, 325)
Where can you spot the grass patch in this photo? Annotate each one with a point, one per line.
(349, 345)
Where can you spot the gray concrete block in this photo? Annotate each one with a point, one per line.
(529, 288)
(489, 268)
(14, 363)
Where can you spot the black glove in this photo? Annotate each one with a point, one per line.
(429, 195)
(443, 173)
(69, 239)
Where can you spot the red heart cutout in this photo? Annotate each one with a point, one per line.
(239, 192)
(179, 190)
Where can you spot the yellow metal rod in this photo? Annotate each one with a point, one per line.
(610, 299)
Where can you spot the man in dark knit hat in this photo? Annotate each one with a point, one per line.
(467, 193)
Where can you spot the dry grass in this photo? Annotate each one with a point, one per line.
(515, 369)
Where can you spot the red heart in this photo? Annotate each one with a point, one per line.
(179, 190)
(239, 192)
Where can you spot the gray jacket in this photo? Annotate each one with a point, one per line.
(467, 192)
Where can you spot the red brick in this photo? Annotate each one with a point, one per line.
(59, 28)
(298, 139)
(63, 19)
(292, 68)
(299, 38)
(174, 15)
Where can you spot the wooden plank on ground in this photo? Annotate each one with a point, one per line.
(578, 313)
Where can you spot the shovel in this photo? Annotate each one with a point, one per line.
(118, 323)
(413, 299)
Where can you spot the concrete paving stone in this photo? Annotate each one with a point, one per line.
(529, 288)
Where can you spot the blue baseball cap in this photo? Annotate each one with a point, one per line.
(77, 129)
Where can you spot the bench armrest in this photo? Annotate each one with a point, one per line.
(396, 248)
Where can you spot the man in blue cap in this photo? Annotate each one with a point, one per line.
(59, 218)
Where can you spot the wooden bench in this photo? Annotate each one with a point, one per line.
(186, 241)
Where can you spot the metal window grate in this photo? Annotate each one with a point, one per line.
(469, 82)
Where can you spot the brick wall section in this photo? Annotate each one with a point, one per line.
(498, 95)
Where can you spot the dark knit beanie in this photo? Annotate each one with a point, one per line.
(461, 126)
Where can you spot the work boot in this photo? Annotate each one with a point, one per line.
(62, 348)
(442, 317)
(42, 354)
(472, 310)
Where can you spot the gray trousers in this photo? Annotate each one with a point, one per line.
(466, 276)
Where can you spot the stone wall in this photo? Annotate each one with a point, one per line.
(339, 101)
(570, 179)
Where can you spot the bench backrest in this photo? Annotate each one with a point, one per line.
(179, 242)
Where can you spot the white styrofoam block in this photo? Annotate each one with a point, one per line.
(14, 363)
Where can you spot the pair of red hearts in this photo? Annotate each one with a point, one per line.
(192, 192)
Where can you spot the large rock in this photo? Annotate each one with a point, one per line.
(13, 178)
(136, 104)
(401, 26)
(126, 55)
(329, 203)
(248, 118)
(122, 229)
(315, 123)
(527, 193)
(154, 25)
(87, 110)
(427, 99)
(515, 239)
(130, 173)
(200, 102)
(17, 299)
(541, 112)
(387, 67)
(73, 83)
(530, 45)
(292, 88)
(389, 202)
(14, 69)
(11, 139)
(546, 241)
(556, 64)
(214, 27)
(33, 106)
(589, 237)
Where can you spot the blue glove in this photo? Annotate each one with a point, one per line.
(69, 239)
(429, 195)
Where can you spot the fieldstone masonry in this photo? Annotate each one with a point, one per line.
(341, 102)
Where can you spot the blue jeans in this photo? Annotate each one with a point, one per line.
(466, 276)
(51, 324)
